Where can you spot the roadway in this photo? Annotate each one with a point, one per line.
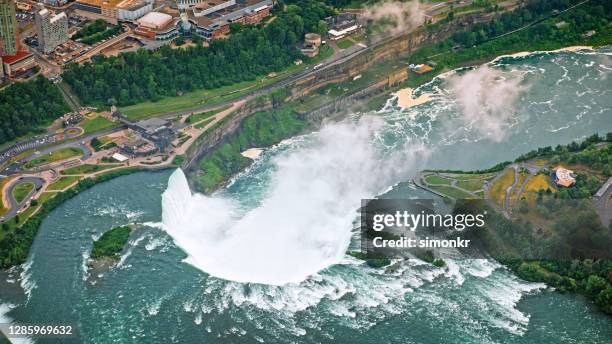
(15, 206)
(603, 204)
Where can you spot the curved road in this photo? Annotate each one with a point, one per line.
(14, 205)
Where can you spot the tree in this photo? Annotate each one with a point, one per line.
(322, 28)
(250, 52)
(180, 40)
(595, 285)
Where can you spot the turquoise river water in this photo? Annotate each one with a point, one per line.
(262, 261)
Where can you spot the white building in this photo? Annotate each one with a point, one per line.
(205, 6)
(130, 10)
(564, 177)
(52, 30)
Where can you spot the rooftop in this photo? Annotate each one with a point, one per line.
(21, 55)
(155, 20)
(131, 4)
(153, 124)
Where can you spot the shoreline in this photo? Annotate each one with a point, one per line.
(571, 48)
(252, 153)
(407, 97)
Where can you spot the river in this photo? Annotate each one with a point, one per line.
(279, 230)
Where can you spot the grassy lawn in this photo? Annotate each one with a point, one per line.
(451, 191)
(198, 98)
(83, 169)
(196, 117)
(45, 196)
(498, 189)
(538, 182)
(471, 185)
(61, 154)
(96, 124)
(435, 179)
(204, 123)
(178, 160)
(345, 43)
(22, 190)
(474, 176)
(63, 183)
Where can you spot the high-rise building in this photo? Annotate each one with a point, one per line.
(52, 29)
(9, 43)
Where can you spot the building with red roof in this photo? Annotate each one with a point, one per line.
(19, 62)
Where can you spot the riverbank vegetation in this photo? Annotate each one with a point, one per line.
(27, 106)
(539, 25)
(111, 243)
(557, 254)
(17, 236)
(262, 129)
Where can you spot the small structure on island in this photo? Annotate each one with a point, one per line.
(564, 177)
(312, 42)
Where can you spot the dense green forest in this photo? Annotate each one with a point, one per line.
(262, 129)
(25, 106)
(590, 16)
(255, 50)
(111, 242)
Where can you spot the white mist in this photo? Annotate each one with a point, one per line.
(304, 224)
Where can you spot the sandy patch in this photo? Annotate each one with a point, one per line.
(405, 98)
(252, 153)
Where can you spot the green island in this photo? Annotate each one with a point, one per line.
(111, 243)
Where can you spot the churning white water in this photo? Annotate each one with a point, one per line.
(305, 222)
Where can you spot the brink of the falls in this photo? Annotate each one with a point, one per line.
(304, 223)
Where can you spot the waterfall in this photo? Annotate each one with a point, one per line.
(305, 222)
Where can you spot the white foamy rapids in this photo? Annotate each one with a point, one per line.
(5, 308)
(27, 284)
(304, 224)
